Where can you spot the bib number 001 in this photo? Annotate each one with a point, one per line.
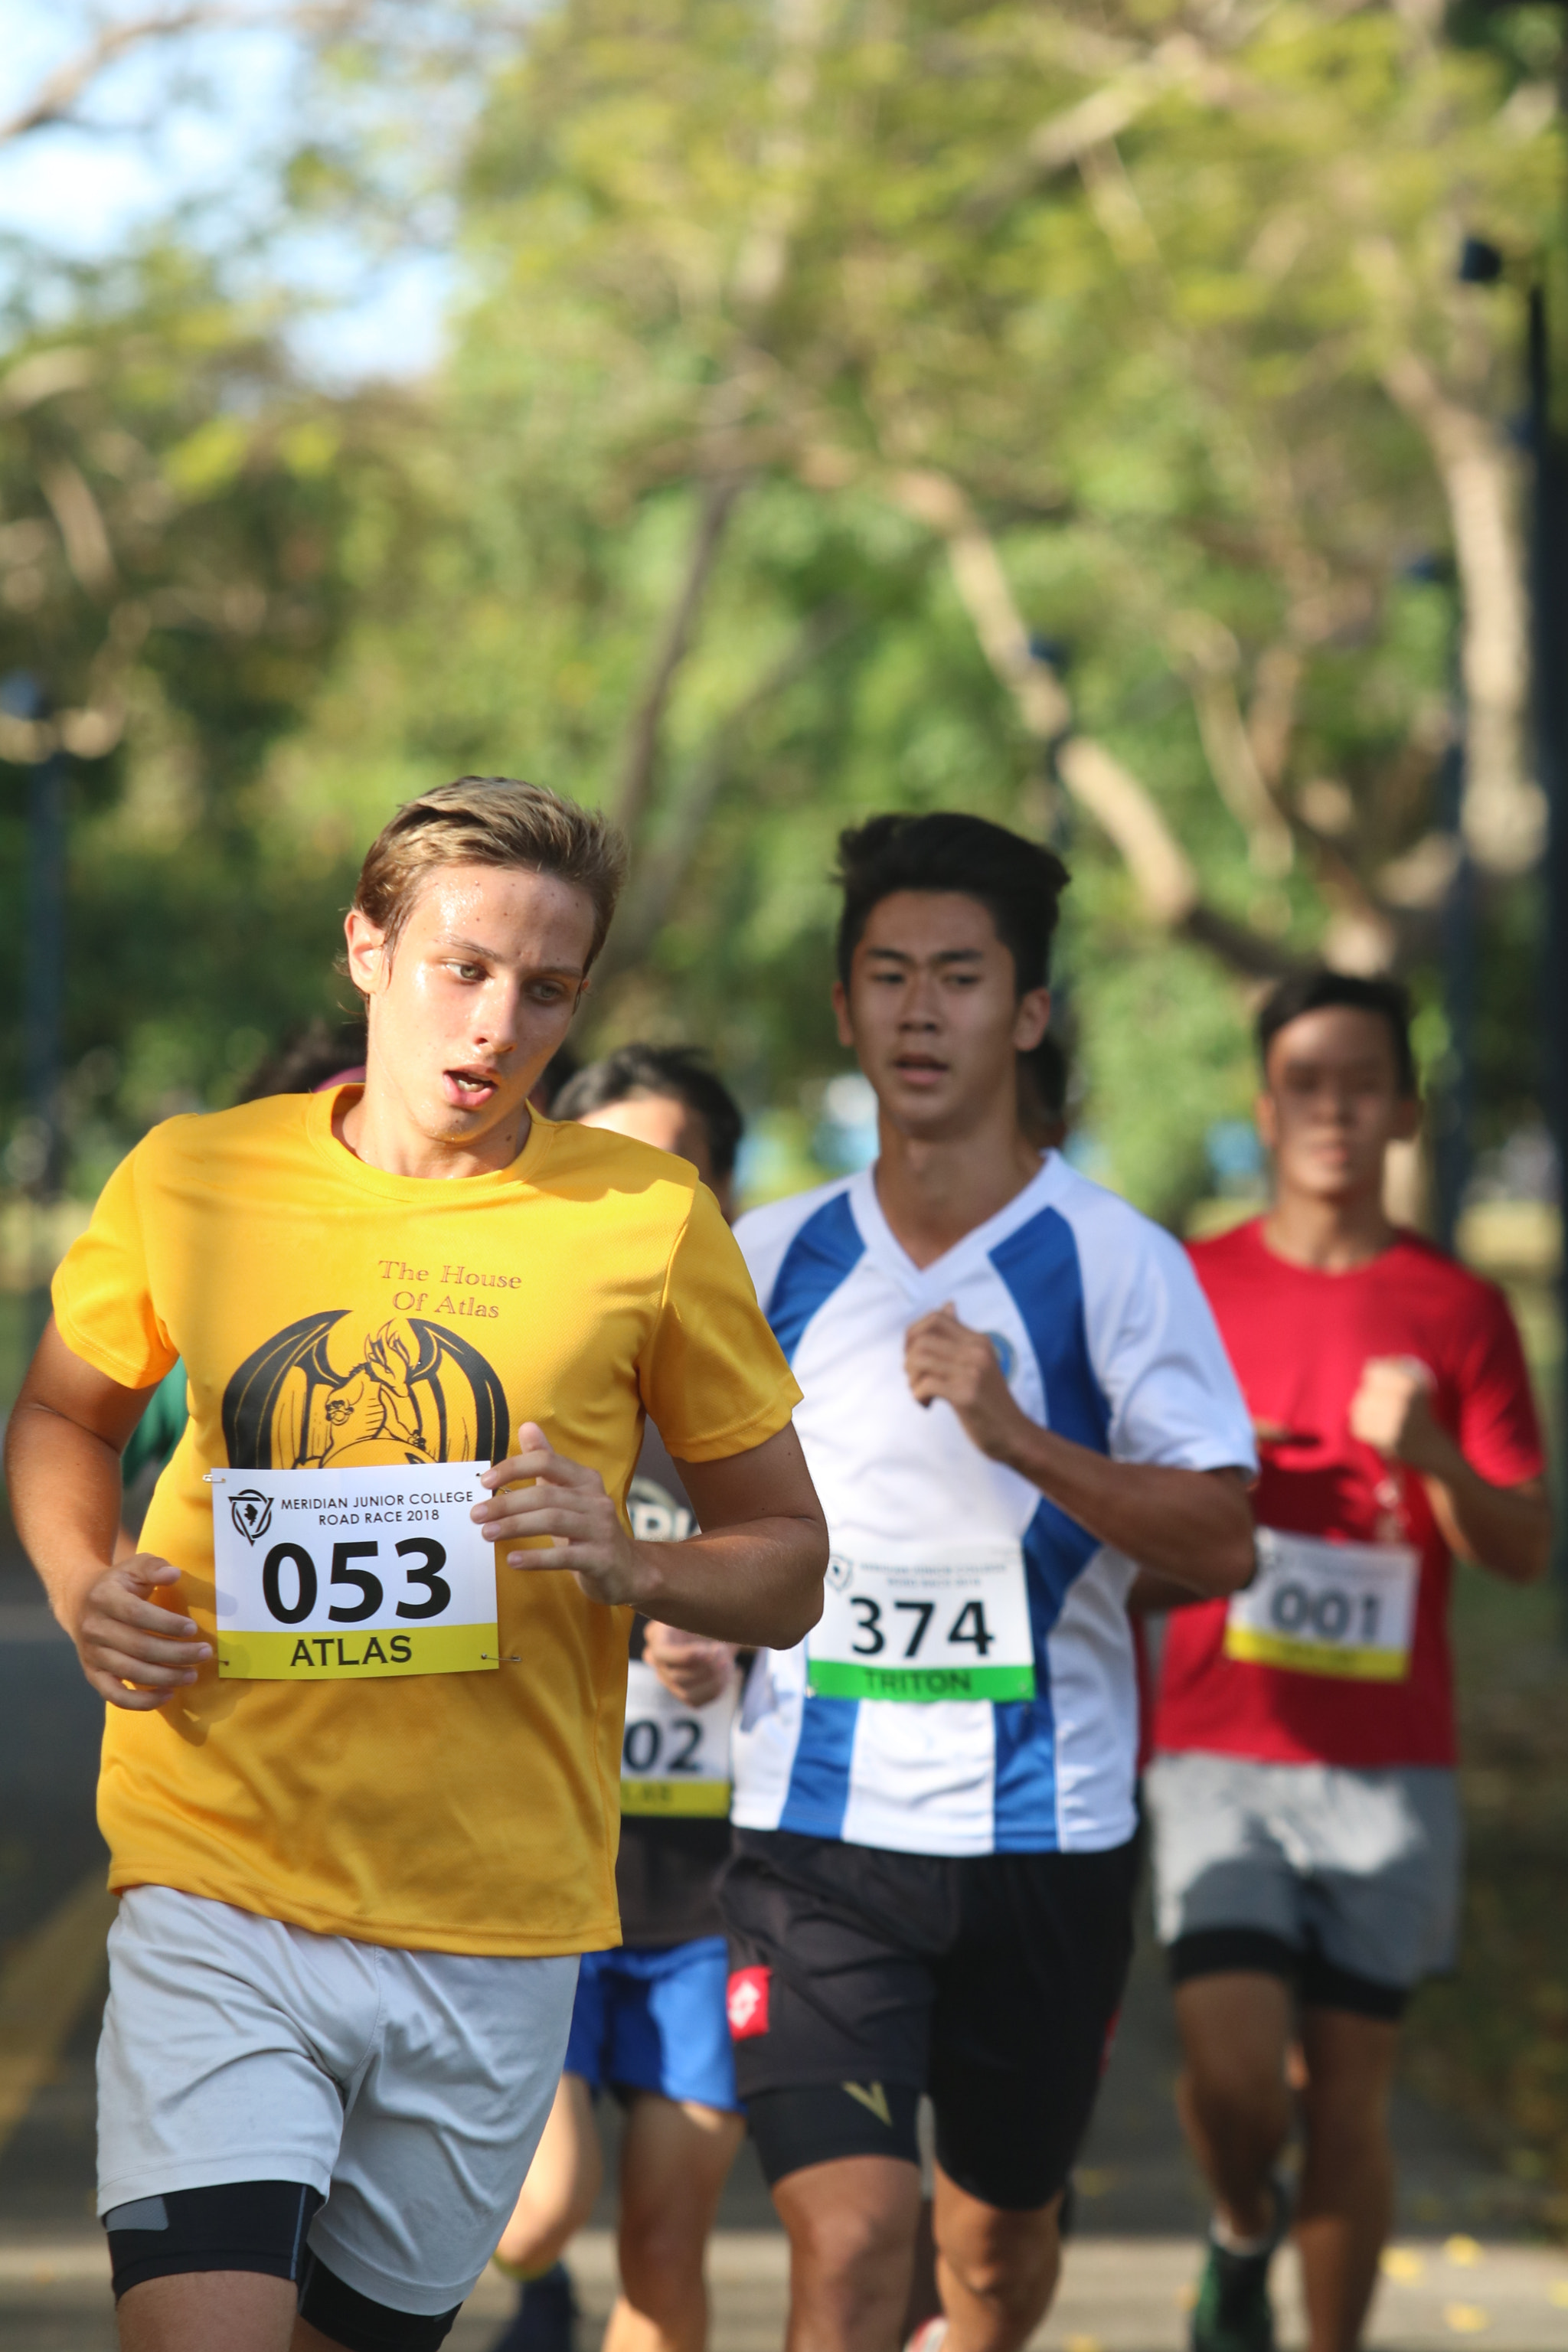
(327, 1575)
(1346, 1611)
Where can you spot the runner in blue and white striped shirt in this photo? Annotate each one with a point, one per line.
(1014, 1391)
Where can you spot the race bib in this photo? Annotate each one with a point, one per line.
(675, 1759)
(1347, 1609)
(325, 1575)
(923, 1622)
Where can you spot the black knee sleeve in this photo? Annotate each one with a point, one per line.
(361, 2325)
(816, 2123)
(239, 2225)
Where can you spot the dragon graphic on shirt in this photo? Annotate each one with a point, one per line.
(412, 1392)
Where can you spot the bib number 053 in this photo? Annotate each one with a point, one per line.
(325, 1575)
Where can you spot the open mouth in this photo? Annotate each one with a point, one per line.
(468, 1089)
(920, 1069)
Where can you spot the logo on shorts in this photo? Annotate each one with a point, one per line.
(251, 1513)
(326, 1394)
(746, 2003)
(873, 2098)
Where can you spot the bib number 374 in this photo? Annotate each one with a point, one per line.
(327, 1575)
(920, 1623)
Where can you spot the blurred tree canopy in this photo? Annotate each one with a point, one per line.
(1072, 415)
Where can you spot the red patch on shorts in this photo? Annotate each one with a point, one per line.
(746, 2003)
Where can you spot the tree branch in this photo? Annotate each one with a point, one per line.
(1503, 816)
(661, 873)
(82, 524)
(639, 756)
(1064, 140)
(760, 270)
(1211, 658)
(52, 102)
(1162, 873)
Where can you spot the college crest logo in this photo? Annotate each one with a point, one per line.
(320, 1397)
(251, 1513)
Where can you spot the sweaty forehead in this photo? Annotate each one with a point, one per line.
(1334, 1037)
(925, 923)
(663, 1120)
(502, 907)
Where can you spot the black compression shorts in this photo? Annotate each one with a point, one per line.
(989, 1980)
(259, 2226)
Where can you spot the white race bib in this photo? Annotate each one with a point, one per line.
(325, 1575)
(923, 1622)
(1340, 1608)
(675, 1759)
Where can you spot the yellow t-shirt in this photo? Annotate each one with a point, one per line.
(590, 1283)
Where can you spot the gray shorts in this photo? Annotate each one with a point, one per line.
(1348, 1881)
(409, 2089)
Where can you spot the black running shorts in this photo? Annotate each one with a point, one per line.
(990, 1980)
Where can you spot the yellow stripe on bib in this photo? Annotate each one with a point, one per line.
(287, 1657)
(683, 1800)
(1316, 1657)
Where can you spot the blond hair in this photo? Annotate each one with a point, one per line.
(490, 821)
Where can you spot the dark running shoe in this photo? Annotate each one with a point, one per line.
(1233, 2313)
(545, 2319)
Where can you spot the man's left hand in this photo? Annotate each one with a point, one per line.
(943, 1358)
(567, 1502)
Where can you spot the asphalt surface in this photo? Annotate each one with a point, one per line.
(1462, 2265)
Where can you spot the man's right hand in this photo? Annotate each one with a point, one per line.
(123, 1637)
(694, 1669)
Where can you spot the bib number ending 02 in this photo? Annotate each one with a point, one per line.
(675, 1758)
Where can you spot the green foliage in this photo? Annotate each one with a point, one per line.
(816, 256)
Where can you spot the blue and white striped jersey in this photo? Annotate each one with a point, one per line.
(1104, 1335)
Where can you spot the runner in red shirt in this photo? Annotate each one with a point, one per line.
(1302, 1794)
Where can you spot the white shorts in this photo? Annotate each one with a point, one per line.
(409, 2089)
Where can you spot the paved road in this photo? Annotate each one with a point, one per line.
(1140, 2208)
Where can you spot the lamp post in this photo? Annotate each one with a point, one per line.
(1549, 665)
(1482, 264)
(42, 979)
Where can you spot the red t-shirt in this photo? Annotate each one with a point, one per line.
(1299, 1339)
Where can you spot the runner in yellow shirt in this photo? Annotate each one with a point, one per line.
(361, 1773)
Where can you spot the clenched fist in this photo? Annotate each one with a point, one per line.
(690, 1667)
(1392, 1411)
(944, 1357)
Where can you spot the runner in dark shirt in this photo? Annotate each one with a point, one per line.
(649, 2022)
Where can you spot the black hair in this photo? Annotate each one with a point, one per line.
(306, 1059)
(553, 1079)
(1042, 1077)
(677, 1072)
(1019, 882)
(1315, 989)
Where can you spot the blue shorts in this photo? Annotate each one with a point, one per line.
(656, 2021)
